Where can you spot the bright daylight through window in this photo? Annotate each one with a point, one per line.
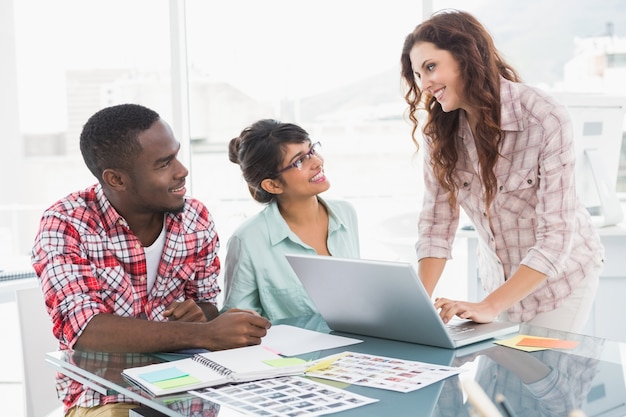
(211, 68)
(319, 64)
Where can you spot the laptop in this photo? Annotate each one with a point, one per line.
(384, 299)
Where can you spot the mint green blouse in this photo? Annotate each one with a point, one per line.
(257, 275)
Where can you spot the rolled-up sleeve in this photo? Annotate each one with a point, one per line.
(438, 221)
(71, 291)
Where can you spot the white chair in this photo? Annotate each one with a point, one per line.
(36, 336)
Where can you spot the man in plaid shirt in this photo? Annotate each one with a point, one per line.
(130, 264)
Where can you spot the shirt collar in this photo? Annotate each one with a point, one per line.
(110, 216)
(511, 106)
(511, 118)
(279, 230)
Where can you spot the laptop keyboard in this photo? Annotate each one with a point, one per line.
(458, 329)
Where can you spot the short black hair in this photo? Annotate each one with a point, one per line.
(109, 138)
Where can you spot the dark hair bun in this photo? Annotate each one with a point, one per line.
(233, 150)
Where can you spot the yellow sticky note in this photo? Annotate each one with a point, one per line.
(325, 363)
(513, 343)
(281, 362)
(177, 382)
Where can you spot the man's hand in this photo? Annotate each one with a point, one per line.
(236, 328)
(188, 310)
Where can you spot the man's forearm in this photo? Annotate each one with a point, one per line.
(109, 333)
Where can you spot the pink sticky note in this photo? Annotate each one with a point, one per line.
(548, 343)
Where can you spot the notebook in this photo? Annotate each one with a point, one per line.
(10, 275)
(213, 368)
(383, 299)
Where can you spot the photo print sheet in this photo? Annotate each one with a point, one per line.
(284, 397)
(383, 372)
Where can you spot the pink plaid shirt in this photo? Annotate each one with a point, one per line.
(535, 219)
(90, 262)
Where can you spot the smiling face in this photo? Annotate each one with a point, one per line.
(157, 178)
(308, 181)
(437, 72)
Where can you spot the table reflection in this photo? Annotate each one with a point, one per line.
(543, 383)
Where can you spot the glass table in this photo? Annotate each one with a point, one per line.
(552, 382)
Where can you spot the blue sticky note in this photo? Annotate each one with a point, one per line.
(163, 374)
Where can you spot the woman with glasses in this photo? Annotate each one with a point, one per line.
(503, 151)
(285, 171)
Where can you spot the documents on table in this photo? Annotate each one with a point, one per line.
(381, 372)
(236, 365)
(291, 341)
(262, 379)
(285, 396)
(294, 395)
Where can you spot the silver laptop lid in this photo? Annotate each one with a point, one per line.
(381, 299)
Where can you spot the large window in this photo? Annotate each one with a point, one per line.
(64, 61)
(331, 66)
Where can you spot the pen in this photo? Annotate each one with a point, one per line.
(325, 363)
(504, 404)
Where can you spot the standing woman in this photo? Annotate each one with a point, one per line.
(502, 151)
(285, 171)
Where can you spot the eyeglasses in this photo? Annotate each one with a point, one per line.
(298, 163)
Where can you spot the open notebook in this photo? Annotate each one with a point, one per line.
(213, 368)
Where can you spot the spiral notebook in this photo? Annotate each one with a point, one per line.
(213, 368)
(11, 275)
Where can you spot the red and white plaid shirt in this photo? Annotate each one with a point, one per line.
(535, 219)
(90, 262)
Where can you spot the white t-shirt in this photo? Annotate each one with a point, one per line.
(153, 257)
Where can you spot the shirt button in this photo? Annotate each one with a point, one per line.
(142, 279)
(501, 187)
(465, 184)
(137, 246)
(529, 181)
(484, 214)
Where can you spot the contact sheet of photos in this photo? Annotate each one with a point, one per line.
(383, 372)
(285, 397)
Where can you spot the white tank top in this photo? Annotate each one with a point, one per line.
(153, 257)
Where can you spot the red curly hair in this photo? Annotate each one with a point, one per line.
(481, 67)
